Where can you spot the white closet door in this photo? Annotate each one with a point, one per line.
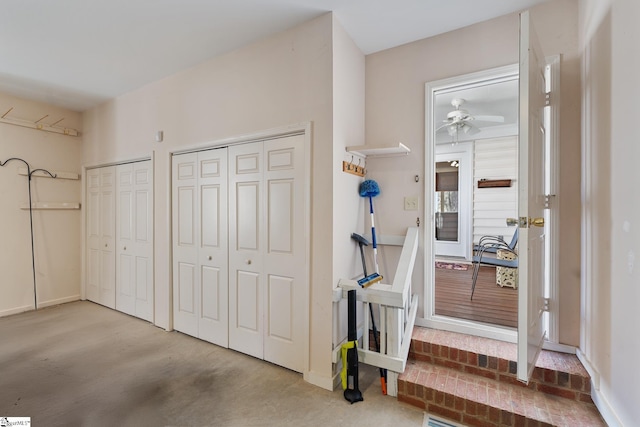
(200, 234)
(284, 252)
(186, 281)
(246, 243)
(107, 237)
(100, 223)
(267, 255)
(213, 324)
(93, 237)
(134, 260)
(125, 253)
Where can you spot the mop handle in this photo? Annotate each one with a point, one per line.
(374, 243)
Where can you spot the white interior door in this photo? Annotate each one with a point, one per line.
(267, 255)
(200, 245)
(134, 225)
(101, 236)
(531, 301)
(246, 246)
(285, 252)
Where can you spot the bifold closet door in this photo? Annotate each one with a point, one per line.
(134, 231)
(200, 245)
(267, 255)
(100, 235)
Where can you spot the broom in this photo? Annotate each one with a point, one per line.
(369, 188)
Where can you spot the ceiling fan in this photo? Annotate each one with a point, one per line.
(460, 120)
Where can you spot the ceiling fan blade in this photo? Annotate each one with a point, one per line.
(494, 119)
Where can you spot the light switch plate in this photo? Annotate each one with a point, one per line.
(410, 203)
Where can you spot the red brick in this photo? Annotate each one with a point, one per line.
(503, 365)
(471, 408)
(463, 356)
(476, 422)
(410, 389)
(550, 377)
(584, 397)
(449, 400)
(493, 363)
(419, 391)
(435, 350)
(577, 383)
(411, 401)
(445, 412)
(438, 397)
(428, 394)
(519, 420)
(506, 418)
(458, 403)
(451, 364)
(481, 372)
(568, 394)
(494, 414)
(472, 359)
(453, 354)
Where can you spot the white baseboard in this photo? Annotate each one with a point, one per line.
(15, 310)
(598, 398)
(322, 381)
(43, 304)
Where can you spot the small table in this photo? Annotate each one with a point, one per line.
(506, 276)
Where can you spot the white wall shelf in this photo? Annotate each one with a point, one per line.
(51, 206)
(60, 175)
(387, 151)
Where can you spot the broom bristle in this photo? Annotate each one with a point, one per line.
(369, 188)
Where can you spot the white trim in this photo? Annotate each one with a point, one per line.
(16, 310)
(430, 320)
(58, 301)
(553, 332)
(599, 399)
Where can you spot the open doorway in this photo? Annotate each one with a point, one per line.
(472, 136)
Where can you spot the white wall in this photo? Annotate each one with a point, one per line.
(348, 130)
(282, 80)
(610, 342)
(395, 82)
(57, 233)
(495, 159)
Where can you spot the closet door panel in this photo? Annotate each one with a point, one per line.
(285, 253)
(93, 235)
(246, 222)
(186, 281)
(107, 221)
(142, 237)
(125, 250)
(213, 252)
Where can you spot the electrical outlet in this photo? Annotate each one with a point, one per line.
(410, 203)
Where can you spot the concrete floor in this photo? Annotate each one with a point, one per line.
(80, 364)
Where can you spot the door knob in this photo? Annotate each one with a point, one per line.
(209, 257)
(249, 261)
(125, 248)
(538, 222)
(512, 221)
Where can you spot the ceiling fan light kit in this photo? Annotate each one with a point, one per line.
(460, 120)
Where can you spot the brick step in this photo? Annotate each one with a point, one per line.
(555, 373)
(481, 402)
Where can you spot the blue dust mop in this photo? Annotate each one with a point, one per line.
(369, 188)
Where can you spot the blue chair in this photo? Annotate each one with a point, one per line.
(491, 245)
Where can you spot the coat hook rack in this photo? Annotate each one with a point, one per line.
(30, 173)
(353, 168)
(5, 118)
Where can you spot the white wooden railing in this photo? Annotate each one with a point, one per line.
(398, 309)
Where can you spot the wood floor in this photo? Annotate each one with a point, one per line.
(491, 303)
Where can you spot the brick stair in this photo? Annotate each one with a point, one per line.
(472, 380)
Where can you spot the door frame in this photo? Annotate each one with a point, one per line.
(303, 128)
(429, 318)
(463, 152)
(83, 222)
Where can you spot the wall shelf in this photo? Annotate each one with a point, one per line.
(60, 175)
(51, 206)
(387, 151)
